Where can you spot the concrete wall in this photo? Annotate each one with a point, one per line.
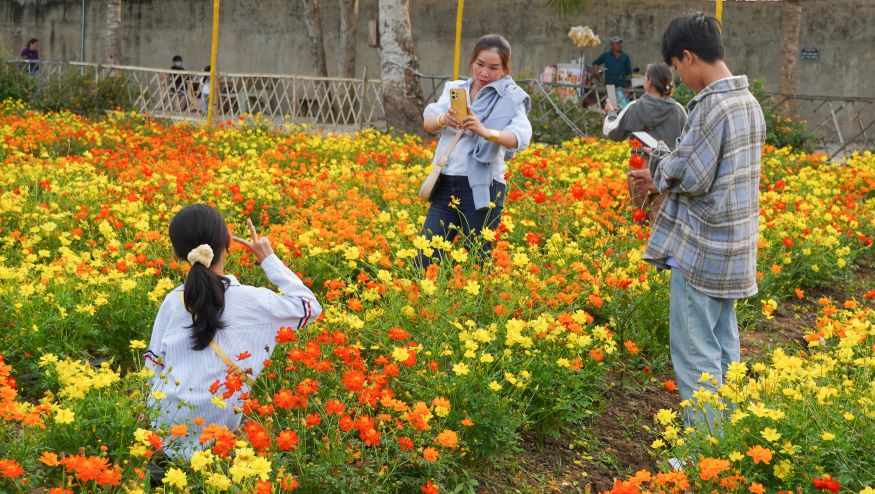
(269, 35)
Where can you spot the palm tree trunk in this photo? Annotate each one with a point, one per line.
(313, 21)
(113, 31)
(790, 26)
(349, 13)
(402, 94)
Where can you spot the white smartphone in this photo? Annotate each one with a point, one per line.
(646, 139)
(612, 97)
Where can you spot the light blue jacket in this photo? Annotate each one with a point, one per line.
(496, 105)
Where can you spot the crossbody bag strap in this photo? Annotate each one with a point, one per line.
(224, 356)
(445, 156)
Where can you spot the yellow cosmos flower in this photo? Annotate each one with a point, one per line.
(176, 478)
(64, 416)
(770, 434)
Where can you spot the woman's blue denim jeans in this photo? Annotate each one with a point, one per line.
(466, 219)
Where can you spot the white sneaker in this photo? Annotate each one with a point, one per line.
(676, 464)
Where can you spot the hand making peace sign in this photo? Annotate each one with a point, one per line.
(260, 246)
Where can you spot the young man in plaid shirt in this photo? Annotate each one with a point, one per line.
(707, 229)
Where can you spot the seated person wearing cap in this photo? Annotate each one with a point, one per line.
(618, 66)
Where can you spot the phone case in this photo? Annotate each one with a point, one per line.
(458, 102)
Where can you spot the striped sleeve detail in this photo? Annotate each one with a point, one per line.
(153, 358)
(308, 313)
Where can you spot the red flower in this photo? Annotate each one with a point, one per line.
(334, 407)
(313, 420)
(636, 162)
(826, 483)
(353, 380)
(639, 215)
(10, 469)
(345, 423)
(429, 488)
(398, 334)
(285, 335)
(405, 444)
(289, 483)
(263, 487)
(788, 242)
(287, 440)
(635, 143)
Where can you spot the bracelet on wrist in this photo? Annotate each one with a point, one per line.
(442, 120)
(493, 135)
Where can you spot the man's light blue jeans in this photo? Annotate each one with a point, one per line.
(703, 333)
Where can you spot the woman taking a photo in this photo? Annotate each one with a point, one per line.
(470, 193)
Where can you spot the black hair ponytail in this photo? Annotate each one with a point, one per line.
(204, 293)
(661, 78)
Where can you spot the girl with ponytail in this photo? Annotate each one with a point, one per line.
(656, 113)
(212, 319)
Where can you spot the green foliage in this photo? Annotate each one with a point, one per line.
(75, 89)
(549, 128)
(781, 130)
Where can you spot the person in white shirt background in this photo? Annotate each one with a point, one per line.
(209, 318)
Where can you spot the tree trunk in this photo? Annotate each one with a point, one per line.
(402, 94)
(313, 21)
(790, 26)
(349, 13)
(113, 31)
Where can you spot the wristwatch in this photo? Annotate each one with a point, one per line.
(494, 135)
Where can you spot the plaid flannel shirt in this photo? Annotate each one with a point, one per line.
(709, 222)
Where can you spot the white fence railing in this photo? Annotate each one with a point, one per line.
(838, 124)
(330, 103)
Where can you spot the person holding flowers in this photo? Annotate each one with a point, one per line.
(210, 317)
(469, 196)
(707, 230)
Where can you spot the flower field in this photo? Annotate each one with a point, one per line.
(410, 381)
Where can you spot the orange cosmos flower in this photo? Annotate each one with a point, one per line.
(179, 430)
(49, 458)
(710, 468)
(760, 454)
(448, 439)
(430, 454)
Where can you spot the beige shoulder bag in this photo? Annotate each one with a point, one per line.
(429, 185)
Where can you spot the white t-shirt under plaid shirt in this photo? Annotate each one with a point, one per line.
(188, 384)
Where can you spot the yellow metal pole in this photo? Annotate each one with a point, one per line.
(213, 50)
(719, 13)
(458, 39)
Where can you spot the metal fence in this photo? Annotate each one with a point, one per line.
(836, 125)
